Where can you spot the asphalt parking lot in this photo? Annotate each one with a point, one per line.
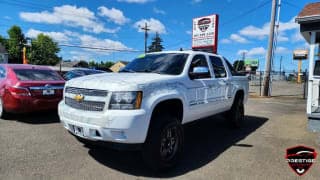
(37, 147)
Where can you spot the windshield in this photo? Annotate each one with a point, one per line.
(165, 63)
(36, 75)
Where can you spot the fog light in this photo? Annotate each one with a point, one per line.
(118, 135)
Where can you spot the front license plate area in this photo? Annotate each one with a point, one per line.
(48, 92)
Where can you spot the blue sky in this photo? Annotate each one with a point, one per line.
(243, 25)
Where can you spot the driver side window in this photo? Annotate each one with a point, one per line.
(199, 61)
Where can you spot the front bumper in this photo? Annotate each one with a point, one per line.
(119, 126)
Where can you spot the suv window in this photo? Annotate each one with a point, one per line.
(2, 72)
(233, 72)
(218, 67)
(199, 61)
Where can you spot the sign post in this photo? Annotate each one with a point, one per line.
(300, 54)
(205, 33)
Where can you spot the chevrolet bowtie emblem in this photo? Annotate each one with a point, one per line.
(79, 97)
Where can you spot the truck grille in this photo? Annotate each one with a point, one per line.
(86, 92)
(85, 105)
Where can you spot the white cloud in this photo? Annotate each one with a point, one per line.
(56, 36)
(159, 11)
(153, 24)
(288, 25)
(238, 38)
(297, 37)
(234, 38)
(135, 1)
(282, 38)
(225, 41)
(240, 52)
(7, 17)
(282, 50)
(87, 40)
(114, 15)
(69, 16)
(80, 55)
(253, 52)
(255, 32)
(263, 32)
(189, 32)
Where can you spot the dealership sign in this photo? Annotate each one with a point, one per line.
(300, 54)
(251, 62)
(205, 33)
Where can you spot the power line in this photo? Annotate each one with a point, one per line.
(99, 48)
(291, 4)
(246, 12)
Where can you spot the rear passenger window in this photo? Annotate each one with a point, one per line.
(218, 67)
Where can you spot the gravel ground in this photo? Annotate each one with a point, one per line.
(37, 147)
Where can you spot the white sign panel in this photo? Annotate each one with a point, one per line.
(204, 32)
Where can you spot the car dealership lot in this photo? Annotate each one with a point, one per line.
(37, 147)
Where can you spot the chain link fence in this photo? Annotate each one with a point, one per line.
(282, 83)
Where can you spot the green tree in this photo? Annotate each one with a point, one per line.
(44, 51)
(15, 44)
(3, 42)
(156, 44)
(108, 64)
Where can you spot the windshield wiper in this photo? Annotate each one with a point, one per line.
(150, 71)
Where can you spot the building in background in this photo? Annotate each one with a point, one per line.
(118, 65)
(3, 54)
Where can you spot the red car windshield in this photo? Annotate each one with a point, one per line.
(36, 75)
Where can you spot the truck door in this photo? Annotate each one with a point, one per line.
(220, 87)
(198, 89)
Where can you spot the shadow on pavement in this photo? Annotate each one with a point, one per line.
(205, 140)
(47, 117)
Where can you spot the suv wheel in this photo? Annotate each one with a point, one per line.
(163, 146)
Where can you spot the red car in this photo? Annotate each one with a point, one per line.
(27, 88)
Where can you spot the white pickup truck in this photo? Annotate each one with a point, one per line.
(146, 104)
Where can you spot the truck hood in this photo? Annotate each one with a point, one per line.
(117, 81)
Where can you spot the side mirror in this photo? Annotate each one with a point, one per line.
(199, 72)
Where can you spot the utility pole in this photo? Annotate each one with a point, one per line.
(243, 56)
(146, 29)
(266, 80)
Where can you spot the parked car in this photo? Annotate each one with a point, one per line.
(80, 72)
(145, 105)
(26, 88)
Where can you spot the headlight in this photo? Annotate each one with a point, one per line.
(126, 100)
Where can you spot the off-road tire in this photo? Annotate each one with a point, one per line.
(236, 114)
(157, 145)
